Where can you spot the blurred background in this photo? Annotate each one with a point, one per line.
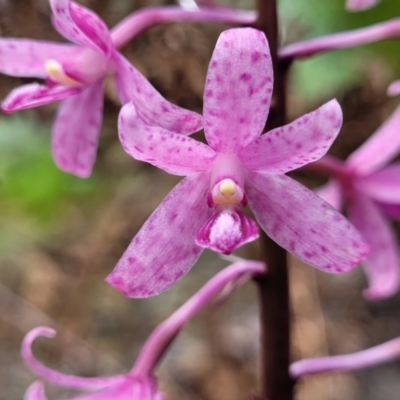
(61, 235)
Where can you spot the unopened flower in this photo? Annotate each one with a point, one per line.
(371, 190)
(139, 383)
(237, 168)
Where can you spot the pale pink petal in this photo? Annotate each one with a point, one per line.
(35, 392)
(305, 225)
(394, 89)
(34, 95)
(379, 149)
(81, 25)
(359, 5)
(132, 86)
(331, 193)
(165, 249)
(382, 265)
(305, 140)
(390, 210)
(383, 185)
(174, 153)
(227, 230)
(76, 131)
(238, 89)
(55, 376)
(19, 57)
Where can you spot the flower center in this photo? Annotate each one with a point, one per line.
(227, 192)
(57, 74)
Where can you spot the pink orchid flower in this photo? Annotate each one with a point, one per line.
(371, 190)
(139, 383)
(77, 74)
(238, 167)
(360, 5)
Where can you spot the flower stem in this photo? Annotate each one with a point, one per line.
(274, 286)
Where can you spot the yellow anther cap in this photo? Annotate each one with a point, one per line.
(227, 187)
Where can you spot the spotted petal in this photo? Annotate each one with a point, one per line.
(238, 89)
(174, 153)
(382, 264)
(302, 223)
(27, 58)
(305, 140)
(164, 249)
(76, 131)
(81, 26)
(34, 95)
(132, 86)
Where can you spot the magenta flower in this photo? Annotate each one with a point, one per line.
(139, 383)
(77, 74)
(360, 5)
(237, 167)
(371, 191)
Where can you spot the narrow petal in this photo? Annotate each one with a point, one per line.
(227, 230)
(373, 356)
(177, 154)
(132, 86)
(81, 26)
(331, 193)
(55, 376)
(238, 89)
(379, 149)
(302, 223)
(34, 95)
(76, 131)
(383, 185)
(305, 140)
(165, 249)
(360, 5)
(382, 265)
(35, 392)
(19, 57)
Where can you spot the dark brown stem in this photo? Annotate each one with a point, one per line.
(274, 287)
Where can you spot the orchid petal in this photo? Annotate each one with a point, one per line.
(81, 26)
(227, 230)
(34, 95)
(132, 86)
(382, 265)
(302, 223)
(76, 131)
(375, 152)
(238, 89)
(164, 249)
(27, 58)
(383, 185)
(35, 392)
(390, 210)
(174, 153)
(360, 5)
(55, 376)
(394, 89)
(305, 140)
(331, 193)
